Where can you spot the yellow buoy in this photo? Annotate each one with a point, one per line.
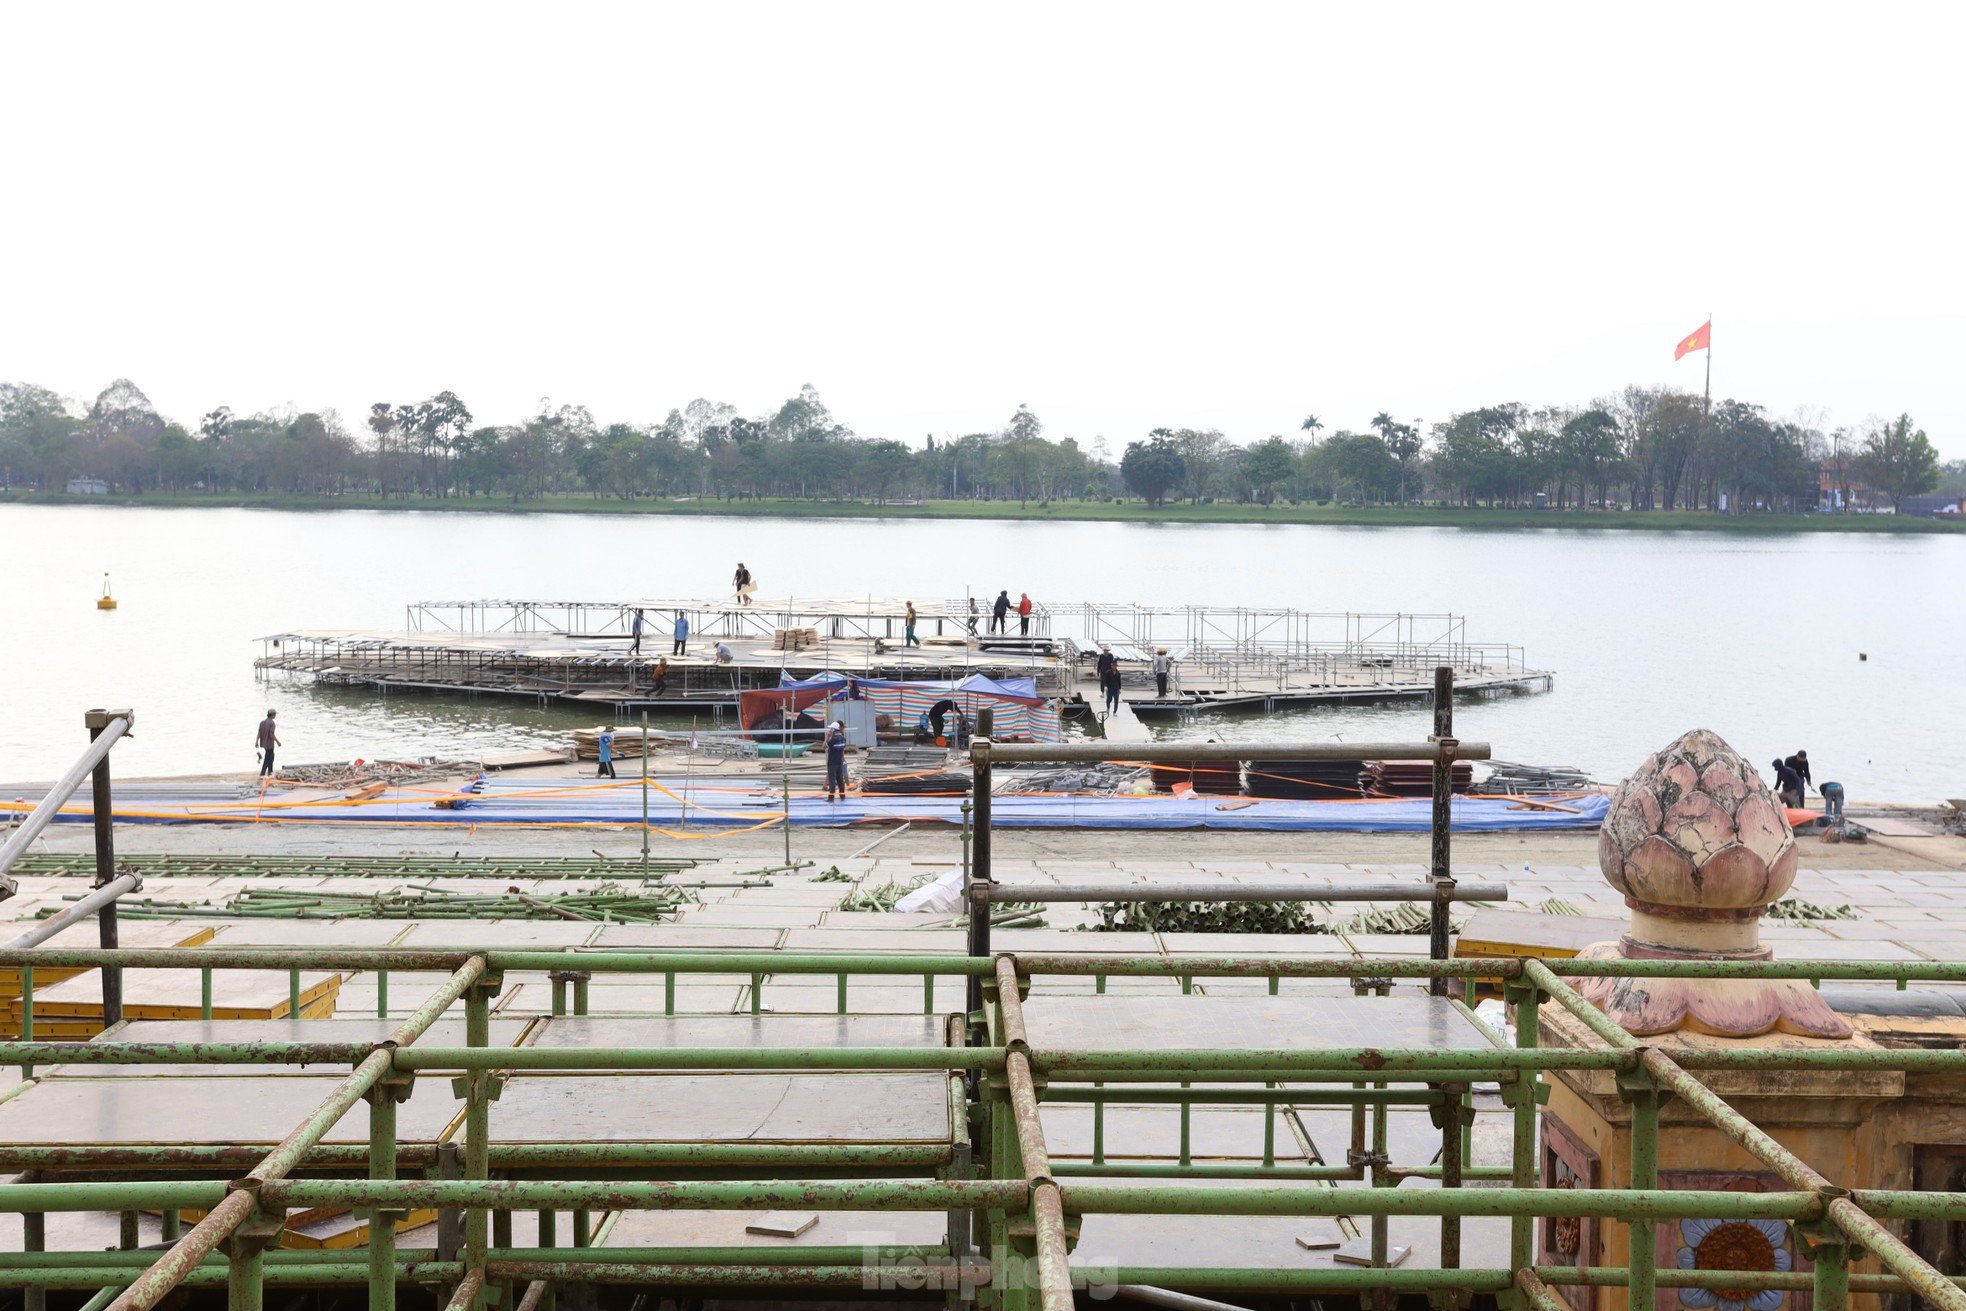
(105, 601)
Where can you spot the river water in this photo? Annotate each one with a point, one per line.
(1649, 633)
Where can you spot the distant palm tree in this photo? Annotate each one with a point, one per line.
(1311, 425)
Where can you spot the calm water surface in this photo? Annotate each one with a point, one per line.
(1756, 637)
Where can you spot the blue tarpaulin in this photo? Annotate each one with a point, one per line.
(605, 801)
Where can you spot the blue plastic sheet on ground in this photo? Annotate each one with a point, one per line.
(603, 801)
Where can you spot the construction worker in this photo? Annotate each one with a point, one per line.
(836, 761)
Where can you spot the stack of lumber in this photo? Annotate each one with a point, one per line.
(87, 934)
(1412, 778)
(1215, 777)
(916, 770)
(793, 639)
(1305, 780)
(627, 743)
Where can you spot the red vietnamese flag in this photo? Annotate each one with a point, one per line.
(1700, 339)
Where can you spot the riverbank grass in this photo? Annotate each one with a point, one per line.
(1128, 511)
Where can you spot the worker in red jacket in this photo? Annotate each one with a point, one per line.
(1024, 613)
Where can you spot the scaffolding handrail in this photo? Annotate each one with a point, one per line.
(1024, 1200)
(24, 834)
(612, 960)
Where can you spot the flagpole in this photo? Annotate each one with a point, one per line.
(1706, 405)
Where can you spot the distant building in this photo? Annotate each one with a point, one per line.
(1933, 507)
(87, 487)
(1837, 488)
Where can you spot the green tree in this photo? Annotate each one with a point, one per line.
(1472, 451)
(37, 436)
(1025, 426)
(881, 465)
(1592, 447)
(1204, 452)
(177, 457)
(1898, 461)
(1268, 465)
(1403, 440)
(1154, 467)
(1358, 465)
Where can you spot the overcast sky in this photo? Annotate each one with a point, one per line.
(1126, 215)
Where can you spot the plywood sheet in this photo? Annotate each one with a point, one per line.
(1241, 1242)
(726, 1229)
(866, 994)
(1078, 944)
(630, 999)
(543, 935)
(714, 936)
(875, 940)
(1148, 1133)
(444, 1033)
(765, 1031)
(176, 994)
(1138, 1023)
(308, 933)
(712, 1108)
(133, 933)
(201, 1111)
(408, 989)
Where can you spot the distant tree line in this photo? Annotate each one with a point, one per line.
(1644, 449)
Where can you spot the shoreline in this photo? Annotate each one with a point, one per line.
(1130, 512)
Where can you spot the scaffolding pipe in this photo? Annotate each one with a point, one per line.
(1103, 892)
(1083, 752)
(221, 1221)
(78, 912)
(58, 796)
(1047, 1204)
(636, 961)
(1173, 1301)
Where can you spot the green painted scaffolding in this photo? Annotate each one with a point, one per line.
(1014, 1213)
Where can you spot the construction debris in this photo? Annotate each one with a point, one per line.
(394, 773)
(1508, 777)
(1257, 917)
(607, 904)
(1103, 779)
(83, 865)
(1794, 909)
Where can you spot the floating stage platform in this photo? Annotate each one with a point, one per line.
(582, 653)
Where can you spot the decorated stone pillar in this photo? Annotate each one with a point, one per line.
(1701, 848)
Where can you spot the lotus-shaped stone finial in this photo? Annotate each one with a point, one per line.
(1695, 826)
(1700, 848)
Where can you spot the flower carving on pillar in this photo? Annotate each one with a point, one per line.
(1738, 1247)
(1700, 848)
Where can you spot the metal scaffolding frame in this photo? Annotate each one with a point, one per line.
(836, 617)
(1027, 1205)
